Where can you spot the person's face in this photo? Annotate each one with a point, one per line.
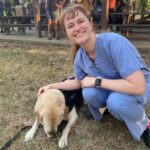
(78, 29)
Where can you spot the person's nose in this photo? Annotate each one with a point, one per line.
(76, 27)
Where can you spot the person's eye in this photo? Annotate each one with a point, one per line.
(70, 26)
(81, 21)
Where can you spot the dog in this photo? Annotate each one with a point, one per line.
(52, 107)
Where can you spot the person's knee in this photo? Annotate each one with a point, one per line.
(89, 94)
(49, 21)
(114, 104)
(55, 21)
(120, 104)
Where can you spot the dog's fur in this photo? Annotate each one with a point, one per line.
(51, 109)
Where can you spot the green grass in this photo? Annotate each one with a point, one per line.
(24, 67)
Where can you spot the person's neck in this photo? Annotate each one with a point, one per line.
(90, 44)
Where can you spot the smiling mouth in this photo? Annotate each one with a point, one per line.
(78, 34)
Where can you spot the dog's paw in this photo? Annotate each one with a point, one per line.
(29, 136)
(63, 142)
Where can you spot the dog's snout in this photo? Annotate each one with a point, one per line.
(52, 133)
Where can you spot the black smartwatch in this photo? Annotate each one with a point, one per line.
(98, 81)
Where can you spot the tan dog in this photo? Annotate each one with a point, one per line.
(50, 110)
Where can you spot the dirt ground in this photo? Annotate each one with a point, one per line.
(24, 67)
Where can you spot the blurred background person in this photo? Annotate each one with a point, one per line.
(52, 11)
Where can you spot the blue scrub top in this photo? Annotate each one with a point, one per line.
(115, 57)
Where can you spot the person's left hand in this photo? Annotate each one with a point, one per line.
(88, 82)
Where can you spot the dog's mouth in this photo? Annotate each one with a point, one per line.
(51, 135)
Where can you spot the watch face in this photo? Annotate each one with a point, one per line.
(97, 82)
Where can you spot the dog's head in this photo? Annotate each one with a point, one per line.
(51, 110)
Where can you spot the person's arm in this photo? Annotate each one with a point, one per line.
(66, 85)
(59, 4)
(63, 2)
(134, 84)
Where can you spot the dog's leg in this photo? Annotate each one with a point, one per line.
(31, 133)
(71, 120)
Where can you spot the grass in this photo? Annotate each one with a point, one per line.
(24, 67)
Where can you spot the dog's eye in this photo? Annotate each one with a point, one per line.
(41, 120)
(62, 116)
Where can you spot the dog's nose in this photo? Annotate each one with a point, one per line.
(51, 133)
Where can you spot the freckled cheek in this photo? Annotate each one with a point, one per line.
(69, 33)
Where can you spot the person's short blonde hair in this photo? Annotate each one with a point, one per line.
(71, 12)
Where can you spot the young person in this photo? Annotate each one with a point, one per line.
(52, 12)
(110, 71)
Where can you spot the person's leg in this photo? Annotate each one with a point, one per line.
(56, 28)
(95, 99)
(48, 14)
(49, 29)
(56, 18)
(130, 109)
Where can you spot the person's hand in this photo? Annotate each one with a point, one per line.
(43, 89)
(88, 82)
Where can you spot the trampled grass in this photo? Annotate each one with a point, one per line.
(24, 67)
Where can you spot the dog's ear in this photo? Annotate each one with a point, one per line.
(38, 114)
(66, 112)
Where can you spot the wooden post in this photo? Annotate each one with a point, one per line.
(105, 14)
(37, 18)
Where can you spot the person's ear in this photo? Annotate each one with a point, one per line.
(91, 22)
